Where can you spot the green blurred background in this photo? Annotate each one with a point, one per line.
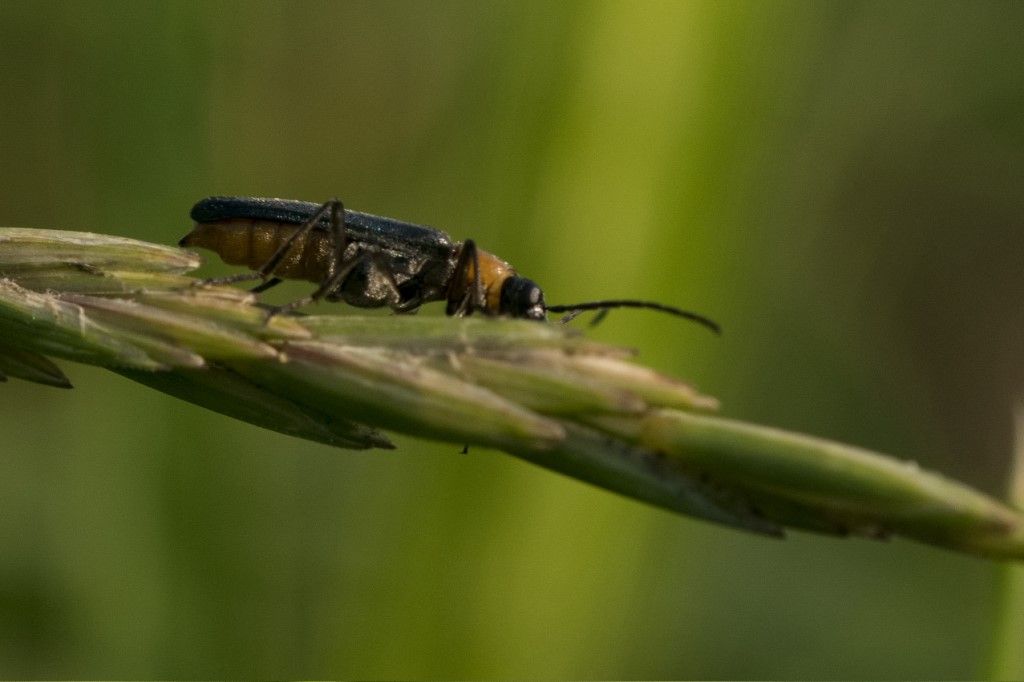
(839, 184)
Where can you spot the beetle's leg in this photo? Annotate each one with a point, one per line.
(339, 239)
(333, 206)
(477, 299)
(457, 288)
(328, 285)
(227, 279)
(399, 306)
(272, 282)
(372, 255)
(334, 276)
(462, 299)
(408, 307)
(339, 236)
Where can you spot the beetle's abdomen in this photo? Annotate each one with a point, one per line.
(253, 242)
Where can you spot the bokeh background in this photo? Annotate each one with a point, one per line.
(841, 185)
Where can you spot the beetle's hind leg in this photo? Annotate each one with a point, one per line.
(336, 270)
(326, 287)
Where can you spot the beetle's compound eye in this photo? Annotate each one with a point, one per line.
(521, 297)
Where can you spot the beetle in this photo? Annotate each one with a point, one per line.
(370, 261)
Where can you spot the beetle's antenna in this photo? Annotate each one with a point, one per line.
(604, 306)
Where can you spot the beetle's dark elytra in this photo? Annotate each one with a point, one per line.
(292, 212)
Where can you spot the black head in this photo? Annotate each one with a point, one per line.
(521, 297)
